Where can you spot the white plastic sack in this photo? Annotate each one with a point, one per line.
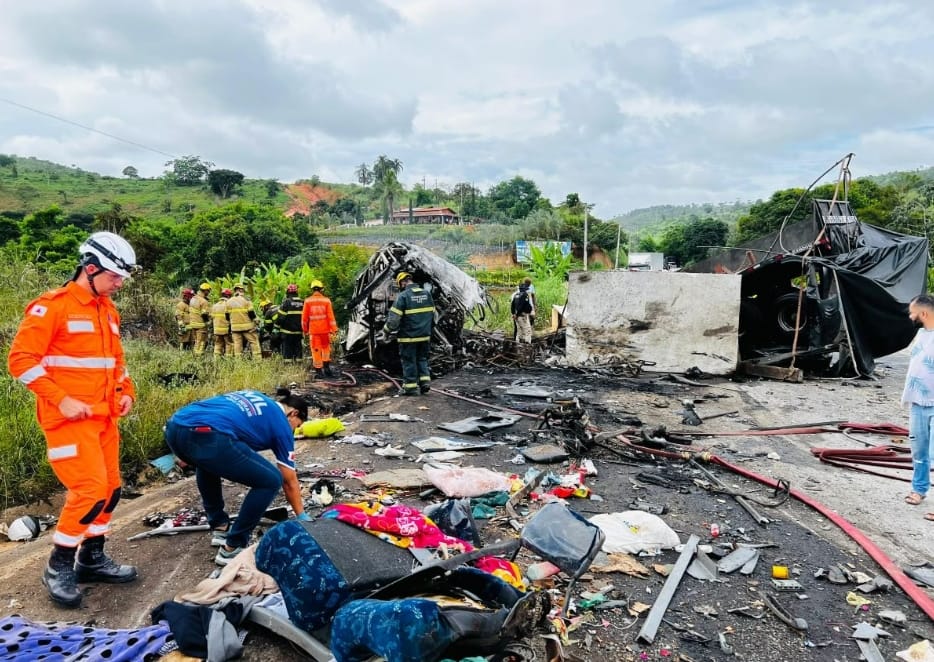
(465, 481)
(919, 652)
(635, 531)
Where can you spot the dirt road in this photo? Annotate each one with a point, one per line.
(804, 540)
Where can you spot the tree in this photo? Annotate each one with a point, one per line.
(7, 160)
(364, 175)
(272, 188)
(225, 239)
(131, 172)
(224, 182)
(189, 170)
(389, 188)
(515, 198)
(699, 236)
(114, 219)
(385, 165)
(766, 217)
(543, 224)
(42, 234)
(470, 201)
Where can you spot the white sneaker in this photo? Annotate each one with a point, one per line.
(218, 537)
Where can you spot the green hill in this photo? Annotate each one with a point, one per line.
(36, 184)
(652, 220)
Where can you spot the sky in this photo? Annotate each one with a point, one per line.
(629, 104)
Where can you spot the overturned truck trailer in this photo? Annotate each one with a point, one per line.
(829, 293)
(456, 295)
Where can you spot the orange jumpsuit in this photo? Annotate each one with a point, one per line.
(68, 344)
(318, 322)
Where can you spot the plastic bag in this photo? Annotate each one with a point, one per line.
(635, 531)
(465, 481)
(455, 518)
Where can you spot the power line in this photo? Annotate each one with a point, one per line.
(88, 128)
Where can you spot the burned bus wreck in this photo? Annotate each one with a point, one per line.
(456, 295)
(828, 294)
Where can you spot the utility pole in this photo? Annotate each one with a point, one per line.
(586, 219)
(619, 233)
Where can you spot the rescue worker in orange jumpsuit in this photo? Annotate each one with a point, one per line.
(199, 315)
(318, 322)
(67, 351)
(220, 318)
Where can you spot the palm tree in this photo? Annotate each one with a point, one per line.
(386, 165)
(389, 188)
(364, 175)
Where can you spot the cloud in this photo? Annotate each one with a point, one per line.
(628, 105)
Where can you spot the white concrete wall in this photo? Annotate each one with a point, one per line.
(678, 320)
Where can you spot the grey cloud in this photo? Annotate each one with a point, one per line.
(369, 15)
(214, 56)
(589, 111)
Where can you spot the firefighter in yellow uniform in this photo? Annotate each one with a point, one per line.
(243, 323)
(181, 319)
(220, 317)
(199, 314)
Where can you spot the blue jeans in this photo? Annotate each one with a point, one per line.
(216, 456)
(919, 434)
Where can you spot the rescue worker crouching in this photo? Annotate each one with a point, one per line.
(288, 319)
(220, 317)
(243, 324)
(67, 351)
(412, 316)
(198, 318)
(318, 323)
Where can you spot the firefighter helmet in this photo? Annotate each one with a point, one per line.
(317, 285)
(205, 287)
(187, 293)
(240, 286)
(292, 288)
(110, 252)
(401, 276)
(226, 293)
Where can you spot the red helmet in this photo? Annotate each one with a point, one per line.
(291, 289)
(188, 293)
(226, 293)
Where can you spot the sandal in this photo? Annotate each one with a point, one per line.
(929, 517)
(914, 499)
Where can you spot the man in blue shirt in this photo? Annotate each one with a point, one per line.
(919, 394)
(221, 437)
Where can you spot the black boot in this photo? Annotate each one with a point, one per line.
(95, 566)
(319, 372)
(59, 577)
(327, 369)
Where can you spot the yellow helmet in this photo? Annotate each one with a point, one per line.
(240, 286)
(205, 286)
(317, 285)
(263, 303)
(401, 276)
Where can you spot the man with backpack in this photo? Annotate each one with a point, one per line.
(523, 311)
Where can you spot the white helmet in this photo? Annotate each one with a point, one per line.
(108, 251)
(24, 528)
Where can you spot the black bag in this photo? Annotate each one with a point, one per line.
(522, 303)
